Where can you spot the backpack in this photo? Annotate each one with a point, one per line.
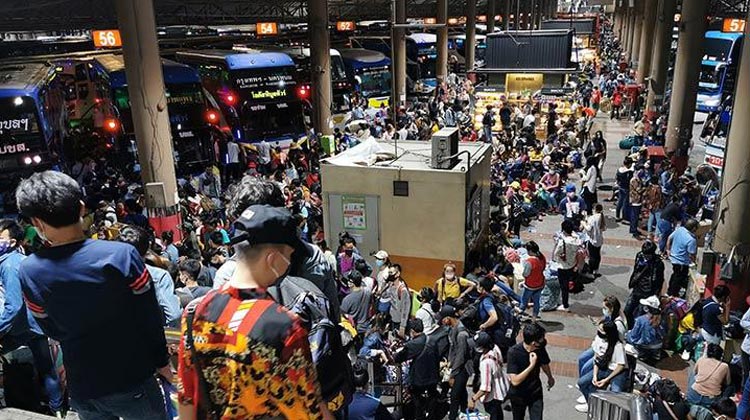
(507, 326)
(697, 310)
(487, 119)
(331, 362)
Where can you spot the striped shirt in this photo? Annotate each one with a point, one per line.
(491, 376)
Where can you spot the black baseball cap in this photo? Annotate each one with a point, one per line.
(482, 340)
(264, 224)
(447, 311)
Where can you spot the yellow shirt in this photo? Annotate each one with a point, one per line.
(687, 324)
(452, 288)
(535, 156)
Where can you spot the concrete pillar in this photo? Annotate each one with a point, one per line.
(471, 30)
(140, 50)
(441, 72)
(647, 40)
(320, 66)
(398, 48)
(490, 16)
(731, 221)
(685, 81)
(553, 9)
(538, 8)
(630, 33)
(660, 55)
(637, 28)
(506, 15)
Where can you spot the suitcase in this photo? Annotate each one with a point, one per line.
(607, 405)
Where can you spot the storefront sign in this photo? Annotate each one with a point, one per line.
(353, 209)
(517, 82)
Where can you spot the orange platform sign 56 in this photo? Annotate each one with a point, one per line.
(345, 26)
(108, 38)
(267, 28)
(733, 25)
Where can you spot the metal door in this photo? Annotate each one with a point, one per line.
(358, 215)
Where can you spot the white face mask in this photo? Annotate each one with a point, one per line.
(280, 276)
(450, 276)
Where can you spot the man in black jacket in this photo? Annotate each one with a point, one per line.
(424, 372)
(647, 279)
(460, 360)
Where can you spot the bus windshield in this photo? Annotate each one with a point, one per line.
(374, 82)
(268, 103)
(711, 77)
(338, 72)
(19, 127)
(715, 49)
(186, 104)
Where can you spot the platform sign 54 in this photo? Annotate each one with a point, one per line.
(108, 38)
(267, 28)
(733, 25)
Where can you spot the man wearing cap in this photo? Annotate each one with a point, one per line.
(572, 207)
(242, 355)
(646, 333)
(382, 262)
(460, 360)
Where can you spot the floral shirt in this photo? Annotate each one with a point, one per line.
(252, 356)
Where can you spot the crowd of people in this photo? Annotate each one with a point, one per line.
(275, 322)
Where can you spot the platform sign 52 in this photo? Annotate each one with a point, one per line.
(107, 38)
(345, 26)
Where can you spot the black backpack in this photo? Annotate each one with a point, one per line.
(505, 330)
(331, 361)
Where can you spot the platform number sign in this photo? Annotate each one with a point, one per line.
(108, 38)
(267, 28)
(345, 26)
(733, 25)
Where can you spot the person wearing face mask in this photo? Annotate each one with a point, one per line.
(572, 207)
(400, 300)
(79, 290)
(262, 332)
(17, 326)
(382, 262)
(525, 361)
(610, 365)
(348, 256)
(450, 286)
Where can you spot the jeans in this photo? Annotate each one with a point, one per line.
(508, 291)
(424, 398)
(534, 296)
(487, 133)
(595, 257)
(697, 399)
(549, 198)
(678, 280)
(495, 409)
(585, 362)
(623, 204)
(520, 404)
(743, 408)
(565, 276)
(142, 402)
(459, 395)
(665, 228)
(631, 310)
(635, 215)
(655, 217)
(617, 384)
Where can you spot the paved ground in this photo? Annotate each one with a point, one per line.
(570, 333)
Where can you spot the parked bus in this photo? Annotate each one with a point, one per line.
(422, 49)
(457, 44)
(186, 106)
(339, 82)
(714, 135)
(370, 74)
(256, 92)
(721, 53)
(32, 118)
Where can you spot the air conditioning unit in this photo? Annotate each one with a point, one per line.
(444, 144)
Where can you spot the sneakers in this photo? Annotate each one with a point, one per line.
(581, 400)
(582, 408)
(685, 355)
(562, 308)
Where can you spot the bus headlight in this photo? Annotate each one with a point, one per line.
(37, 159)
(27, 160)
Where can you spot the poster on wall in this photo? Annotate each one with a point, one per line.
(354, 212)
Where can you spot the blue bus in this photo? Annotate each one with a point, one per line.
(186, 105)
(370, 74)
(457, 43)
(721, 53)
(33, 118)
(257, 93)
(422, 49)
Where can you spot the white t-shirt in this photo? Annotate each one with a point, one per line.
(233, 152)
(528, 120)
(599, 346)
(594, 230)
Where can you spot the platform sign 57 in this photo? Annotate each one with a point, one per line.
(733, 25)
(107, 38)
